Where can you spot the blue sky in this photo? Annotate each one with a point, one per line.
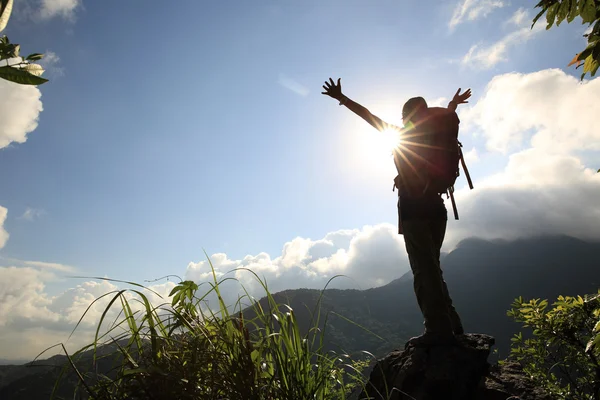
(169, 129)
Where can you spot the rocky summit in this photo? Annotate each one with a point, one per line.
(448, 372)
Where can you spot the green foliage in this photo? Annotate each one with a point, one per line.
(589, 10)
(562, 354)
(17, 69)
(184, 350)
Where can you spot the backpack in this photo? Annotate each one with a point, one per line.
(442, 153)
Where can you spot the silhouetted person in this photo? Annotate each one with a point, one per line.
(422, 215)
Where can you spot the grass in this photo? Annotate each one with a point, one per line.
(186, 350)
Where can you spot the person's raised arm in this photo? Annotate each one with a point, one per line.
(459, 99)
(335, 91)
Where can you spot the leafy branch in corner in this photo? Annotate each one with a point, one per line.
(14, 67)
(589, 10)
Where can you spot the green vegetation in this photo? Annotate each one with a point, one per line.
(589, 10)
(216, 346)
(563, 353)
(17, 69)
(183, 350)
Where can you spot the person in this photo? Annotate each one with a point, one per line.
(422, 214)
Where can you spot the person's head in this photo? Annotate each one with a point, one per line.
(413, 108)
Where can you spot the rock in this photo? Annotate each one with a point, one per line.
(508, 381)
(448, 372)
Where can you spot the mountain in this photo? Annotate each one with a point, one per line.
(35, 380)
(4, 361)
(483, 277)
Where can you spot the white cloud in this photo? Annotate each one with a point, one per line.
(471, 156)
(50, 63)
(3, 234)
(20, 107)
(31, 319)
(519, 17)
(58, 8)
(55, 267)
(537, 194)
(48, 265)
(31, 214)
(293, 85)
(472, 10)
(556, 110)
(369, 257)
(547, 118)
(485, 57)
(439, 102)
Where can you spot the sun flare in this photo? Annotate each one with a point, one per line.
(373, 152)
(389, 139)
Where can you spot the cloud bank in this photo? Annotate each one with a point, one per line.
(548, 109)
(368, 257)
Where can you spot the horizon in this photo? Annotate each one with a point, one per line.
(129, 165)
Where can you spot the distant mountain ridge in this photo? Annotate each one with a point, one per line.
(483, 277)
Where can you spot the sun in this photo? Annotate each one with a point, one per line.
(389, 139)
(368, 152)
(372, 152)
(380, 145)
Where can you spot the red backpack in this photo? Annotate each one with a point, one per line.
(437, 150)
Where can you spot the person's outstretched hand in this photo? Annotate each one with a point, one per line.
(333, 90)
(461, 98)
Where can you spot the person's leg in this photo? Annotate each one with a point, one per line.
(439, 231)
(421, 249)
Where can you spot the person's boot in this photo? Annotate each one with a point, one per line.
(457, 327)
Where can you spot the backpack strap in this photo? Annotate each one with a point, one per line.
(464, 165)
(450, 193)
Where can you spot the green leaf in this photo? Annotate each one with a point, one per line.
(34, 57)
(587, 52)
(174, 290)
(551, 14)
(573, 11)
(20, 76)
(594, 68)
(176, 298)
(5, 10)
(538, 17)
(593, 343)
(590, 65)
(588, 11)
(9, 51)
(563, 11)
